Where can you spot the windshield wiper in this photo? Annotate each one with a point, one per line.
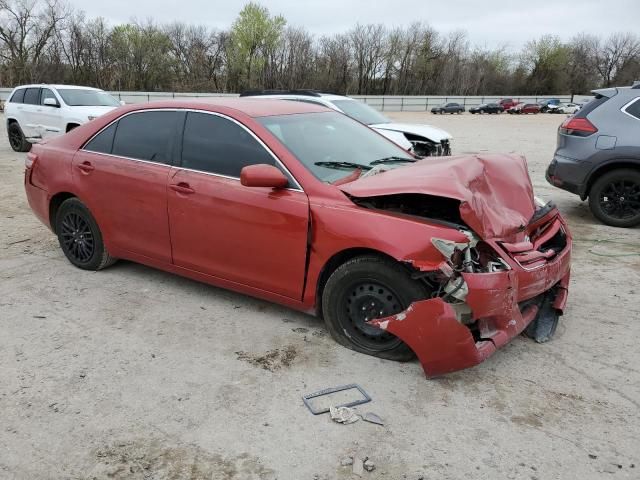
(392, 160)
(343, 165)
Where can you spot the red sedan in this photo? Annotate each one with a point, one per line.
(447, 258)
(525, 108)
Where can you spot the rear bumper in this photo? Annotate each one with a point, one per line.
(38, 200)
(568, 174)
(503, 304)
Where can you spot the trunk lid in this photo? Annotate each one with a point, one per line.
(495, 191)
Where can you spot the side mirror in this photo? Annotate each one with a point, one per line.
(51, 102)
(263, 175)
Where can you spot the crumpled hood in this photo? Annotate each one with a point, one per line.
(495, 191)
(434, 134)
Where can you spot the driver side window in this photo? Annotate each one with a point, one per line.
(217, 145)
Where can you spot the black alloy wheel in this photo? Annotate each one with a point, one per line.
(77, 237)
(80, 237)
(615, 198)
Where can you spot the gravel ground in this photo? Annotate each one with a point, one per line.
(135, 373)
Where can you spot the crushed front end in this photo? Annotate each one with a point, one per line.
(486, 292)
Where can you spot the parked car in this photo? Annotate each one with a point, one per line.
(450, 107)
(507, 103)
(545, 105)
(566, 108)
(525, 108)
(35, 112)
(598, 156)
(421, 139)
(487, 108)
(301, 205)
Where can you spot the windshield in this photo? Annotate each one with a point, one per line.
(361, 112)
(331, 137)
(75, 97)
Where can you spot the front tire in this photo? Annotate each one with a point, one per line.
(363, 289)
(80, 237)
(614, 198)
(16, 138)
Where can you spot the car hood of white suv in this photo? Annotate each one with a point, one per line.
(434, 134)
(84, 112)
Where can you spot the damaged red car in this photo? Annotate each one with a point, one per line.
(445, 258)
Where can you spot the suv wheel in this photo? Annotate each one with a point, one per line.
(16, 138)
(614, 198)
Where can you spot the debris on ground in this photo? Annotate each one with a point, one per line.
(346, 461)
(368, 465)
(317, 410)
(372, 418)
(344, 415)
(358, 465)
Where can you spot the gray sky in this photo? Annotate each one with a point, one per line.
(488, 22)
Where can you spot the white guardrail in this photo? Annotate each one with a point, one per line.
(389, 103)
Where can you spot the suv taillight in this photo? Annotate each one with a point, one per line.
(579, 127)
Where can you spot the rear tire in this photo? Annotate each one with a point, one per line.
(80, 237)
(362, 289)
(614, 198)
(16, 138)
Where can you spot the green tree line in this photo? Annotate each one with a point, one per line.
(47, 41)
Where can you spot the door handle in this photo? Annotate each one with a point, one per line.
(182, 187)
(86, 167)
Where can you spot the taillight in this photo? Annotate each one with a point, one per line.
(31, 159)
(579, 127)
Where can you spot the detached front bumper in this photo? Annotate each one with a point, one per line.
(503, 304)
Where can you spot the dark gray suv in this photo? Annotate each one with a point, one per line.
(598, 155)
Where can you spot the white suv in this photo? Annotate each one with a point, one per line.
(423, 140)
(35, 112)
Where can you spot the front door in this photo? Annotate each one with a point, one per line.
(253, 236)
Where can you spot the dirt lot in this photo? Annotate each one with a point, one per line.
(138, 374)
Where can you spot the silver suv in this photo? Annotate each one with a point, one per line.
(598, 155)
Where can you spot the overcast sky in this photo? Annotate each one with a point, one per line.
(489, 23)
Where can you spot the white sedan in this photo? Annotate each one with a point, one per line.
(567, 108)
(423, 140)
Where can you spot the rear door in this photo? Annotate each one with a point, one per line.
(121, 174)
(253, 236)
(28, 117)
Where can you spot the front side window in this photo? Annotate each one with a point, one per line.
(217, 145)
(331, 145)
(361, 112)
(32, 96)
(146, 136)
(18, 96)
(78, 97)
(46, 93)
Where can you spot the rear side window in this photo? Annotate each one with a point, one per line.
(146, 136)
(32, 96)
(591, 106)
(18, 96)
(103, 142)
(634, 108)
(217, 145)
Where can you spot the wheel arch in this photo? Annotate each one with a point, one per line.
(339, 258)
(71, 125)
(608, 167)
(54, 206)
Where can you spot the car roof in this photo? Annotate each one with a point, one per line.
(247, 105)
(57, 86)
